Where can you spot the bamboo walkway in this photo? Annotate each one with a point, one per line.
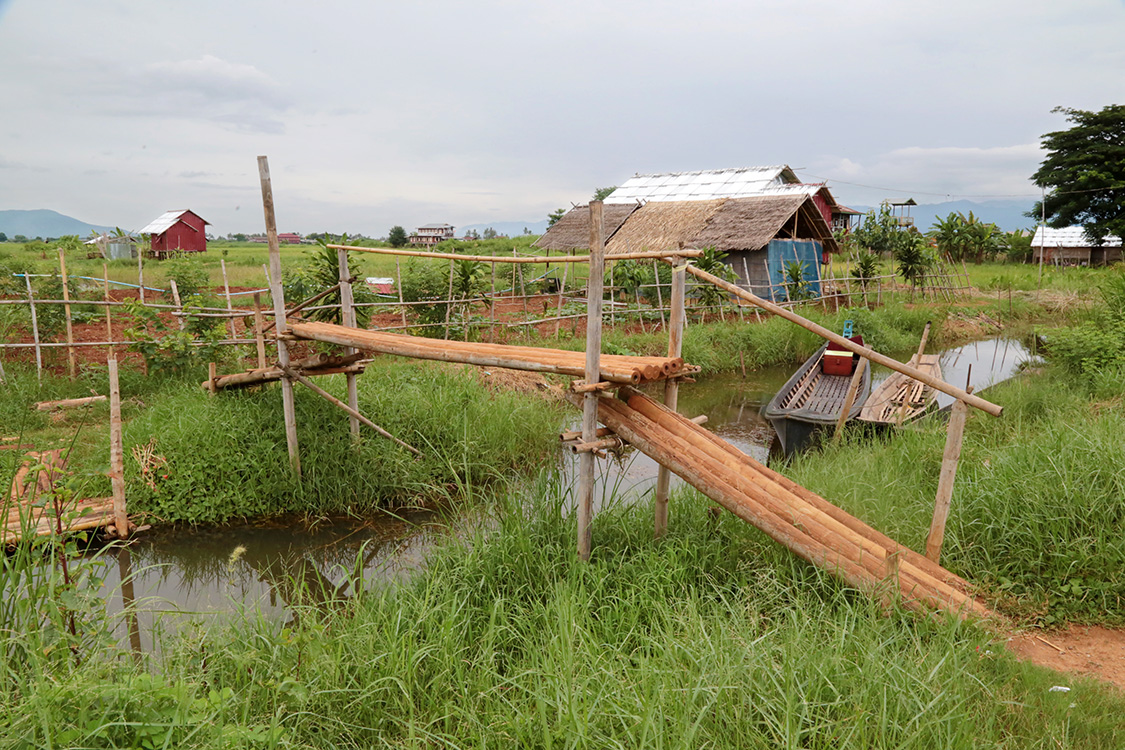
(613, 369)
(790, 514)
(32, 508)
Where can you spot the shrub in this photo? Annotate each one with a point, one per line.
(189, 274)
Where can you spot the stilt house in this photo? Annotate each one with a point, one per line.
(181, 231)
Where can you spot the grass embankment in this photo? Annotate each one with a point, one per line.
(225, 457)
(713, 637)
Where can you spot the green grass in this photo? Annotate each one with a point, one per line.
(713, 637)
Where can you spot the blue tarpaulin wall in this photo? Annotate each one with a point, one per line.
(780, 252)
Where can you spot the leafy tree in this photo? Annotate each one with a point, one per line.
(3, 237)
(600, 194)
(961, 237)
(866, 268)
(19, 238)
(914, 258)
(321, 271)
(1017, 246)
(554, 216)
(712, 262)
(397, 236)
(489, 233)
(1085, 165)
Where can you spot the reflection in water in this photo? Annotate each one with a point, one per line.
(196, 574)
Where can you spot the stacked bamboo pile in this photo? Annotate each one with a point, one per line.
(614, 369)
(793, 516)
(26, 512)
(318, 364)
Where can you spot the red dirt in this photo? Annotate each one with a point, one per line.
(1088, 650)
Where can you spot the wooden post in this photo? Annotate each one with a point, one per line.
(179, 305)
(949, 460)
(671, 386)
(849, 399)
(347, 310)
(34, 329)
(523, 288)
(659, 293)
(213, 376)
(259, 325)
(593, 375)
(402, 304)
(449, 301)
(71, 358)
(278, 294)
(226, 291)
(108, 316)
(116, 453)
(141, 273)
(492, 307)
(562, 297)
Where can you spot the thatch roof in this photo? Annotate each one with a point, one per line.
(572, 231)
(728, 224)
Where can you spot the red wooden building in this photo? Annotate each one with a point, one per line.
(177, 232)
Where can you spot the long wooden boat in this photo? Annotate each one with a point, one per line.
(900, 399)
(813, 398)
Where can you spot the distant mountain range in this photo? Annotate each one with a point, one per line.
(44, 223)
(1006, 214)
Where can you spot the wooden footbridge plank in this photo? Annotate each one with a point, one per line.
(795, 517)
(614, 369)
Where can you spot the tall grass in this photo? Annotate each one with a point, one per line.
(713, 637)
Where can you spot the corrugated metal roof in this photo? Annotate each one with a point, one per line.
(1068, 237)
(743, 182)
(163, 222)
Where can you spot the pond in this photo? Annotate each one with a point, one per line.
(184, 575)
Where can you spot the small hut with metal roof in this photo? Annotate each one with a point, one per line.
(1071, 246)
(181, 231)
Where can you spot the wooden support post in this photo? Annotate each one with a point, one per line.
(401, 302)
(523, 287)
(347, 312)
(492, 307)
(953, 439)
(226, 291)
(71, 357)
(449, 301)
(671, 387)
(562, 298)
(141, 273)
(278, 294)
(659, 293)
(108, 316)
(259, 326)
(117, 453)
(593, 375)
(34, 328)
(212, 376)
(179, 304)
(849, 399)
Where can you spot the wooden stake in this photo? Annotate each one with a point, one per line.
(259, 326)
(676, 317)
(71, 358)
(34, 329)
(449, 301)
(347, 310)
(141, 273)
(117, 453)
(179, 304)
(949, 460)
(492, 306)
(562, 297)
(108, 314)
(849, 399)
(226, 291)
(212, 377)
(593, 369)
(278, 294)
(402, 304)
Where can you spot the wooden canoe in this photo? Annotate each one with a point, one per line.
(885, 405)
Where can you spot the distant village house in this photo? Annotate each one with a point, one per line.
(1069, 246)
(181, 231)
(431, 234)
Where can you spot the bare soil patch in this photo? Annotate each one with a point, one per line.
(1088, 650)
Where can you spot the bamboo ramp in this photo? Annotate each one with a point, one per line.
(26, 512)
(790, 514)
(614, 369)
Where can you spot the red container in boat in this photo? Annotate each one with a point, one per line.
(840, 361)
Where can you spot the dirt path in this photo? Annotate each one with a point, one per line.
(1089, 650)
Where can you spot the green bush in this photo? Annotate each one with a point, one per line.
(190, 275)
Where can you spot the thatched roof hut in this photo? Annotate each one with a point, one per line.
(572, 231)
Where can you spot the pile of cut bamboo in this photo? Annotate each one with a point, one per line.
(27, 513)
(613, 368)
(317, 364)
(795, 517)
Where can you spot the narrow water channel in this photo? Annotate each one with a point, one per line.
(183, 575)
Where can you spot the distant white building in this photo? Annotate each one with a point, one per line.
(431, 234)
(1071, 246)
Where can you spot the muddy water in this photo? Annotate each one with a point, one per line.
(190, 577)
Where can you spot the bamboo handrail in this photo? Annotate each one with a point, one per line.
(518, 259)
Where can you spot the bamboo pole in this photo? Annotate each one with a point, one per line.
(71, 355)
(849, 400)
(586, 463)
(949, 460)
(671, 389)
(259, 327)
(108, 314)
(491, 305)
(347, 313)
(521, 259)
(951, 390)
(562, 298)
(68, 403)
(278, 294)
(34, 329)
(179, 306)
(449, 301)
(351, 412)
(226, 291)
(398, 273)
(117, 453)
(141, 273)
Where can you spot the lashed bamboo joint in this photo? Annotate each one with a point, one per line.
(795, 517)
(613, 368)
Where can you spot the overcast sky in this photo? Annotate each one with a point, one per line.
(377, 113)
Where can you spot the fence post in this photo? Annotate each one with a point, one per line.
(586, 463)
(226, 290)
(347, 313)
(71, 358)
(671, 387)
(34, 329)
